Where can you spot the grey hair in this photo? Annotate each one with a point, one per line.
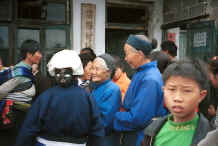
(103, 63)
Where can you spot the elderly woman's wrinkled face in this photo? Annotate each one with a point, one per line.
(100, 73)
(132, 56)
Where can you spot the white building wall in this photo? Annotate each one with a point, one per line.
(156, 20)
(100, 25)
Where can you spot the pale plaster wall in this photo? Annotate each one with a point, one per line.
(100, 25)
(156, 20)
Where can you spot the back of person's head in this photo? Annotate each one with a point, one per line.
(213, 65)
(29, 46)
(119, 63)
(65, 66)
(86, 58)
(189, 68)
(154, 43)
(87, 50)
(163, 60)
(170, 47)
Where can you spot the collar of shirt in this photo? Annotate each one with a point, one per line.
(147, 65)
(23, 64)
(96, 85)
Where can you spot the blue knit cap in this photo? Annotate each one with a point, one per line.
(139, 44)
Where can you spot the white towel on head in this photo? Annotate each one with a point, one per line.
(65, 59)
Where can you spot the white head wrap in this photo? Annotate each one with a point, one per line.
(65, 59)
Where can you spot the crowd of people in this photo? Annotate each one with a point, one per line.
(89, 100)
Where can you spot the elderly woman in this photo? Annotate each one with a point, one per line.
(107, 95)
(64, 115)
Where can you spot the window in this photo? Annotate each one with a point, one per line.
(4, 45)
(56, 12)
(4, 36)
(43, 11)
(55, 37)
(29, 9)
(25, 34)
(5, 10)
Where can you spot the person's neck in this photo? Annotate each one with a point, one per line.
(188, 118)
(27, 62)
(172, 58)
(145, 61)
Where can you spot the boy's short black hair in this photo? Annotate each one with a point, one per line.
(213, 65)
(86, 58)
(163, 60)
(169, 46)
(194, 69)
(87, 50)
(154, 43)
(29, 46)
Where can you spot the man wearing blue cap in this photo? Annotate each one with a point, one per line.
(144, 97)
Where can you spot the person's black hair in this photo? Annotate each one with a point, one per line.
(154, 43)
(169, 46)
(212, 102)
(194, 69)
(87, 50)
(118, 62)
(213, 65)
(29, 46)
(163, 60)
(86, 58)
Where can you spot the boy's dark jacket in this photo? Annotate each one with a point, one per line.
(153, 129)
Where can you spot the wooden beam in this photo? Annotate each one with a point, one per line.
(120, 26)
(130, 3)
(140, 1)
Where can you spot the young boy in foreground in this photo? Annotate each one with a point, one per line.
(185, 86)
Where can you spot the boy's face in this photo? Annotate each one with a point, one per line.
(182, 97)
(88, 71)
(34, 58)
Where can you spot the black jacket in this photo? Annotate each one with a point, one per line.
(153, 129)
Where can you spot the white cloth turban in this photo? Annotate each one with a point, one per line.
(65, 59)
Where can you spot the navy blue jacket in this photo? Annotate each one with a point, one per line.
(69, 112)
(143, 99)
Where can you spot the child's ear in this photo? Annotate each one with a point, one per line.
(28, 55)
(203, 94)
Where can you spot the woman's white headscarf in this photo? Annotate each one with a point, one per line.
(65, 59)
